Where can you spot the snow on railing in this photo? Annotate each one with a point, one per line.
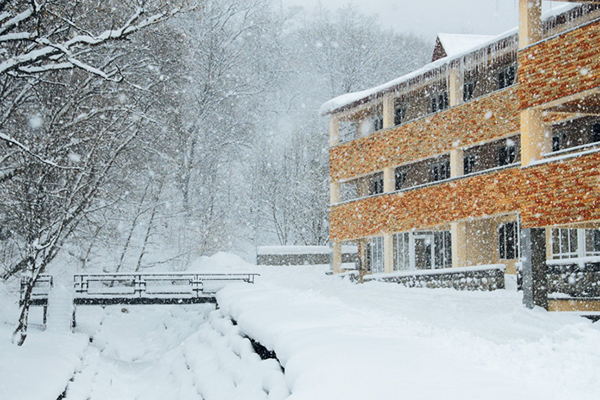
(40, 291)
(172, 285)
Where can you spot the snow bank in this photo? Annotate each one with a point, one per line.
(220, 263)
(338, 340)
(42, 367)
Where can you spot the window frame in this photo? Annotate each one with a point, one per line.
(504, 74)
(439, 171)
(469, 90)
(439, 101)
(509, 240)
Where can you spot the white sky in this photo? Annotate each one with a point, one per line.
(430, 17)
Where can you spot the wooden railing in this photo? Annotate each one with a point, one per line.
(151, 288)
(40, 291)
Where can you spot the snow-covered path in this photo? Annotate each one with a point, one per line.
(382, 341)
(335, 339)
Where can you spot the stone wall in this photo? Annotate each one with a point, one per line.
(469, 278)
(574, 280)
(561, 66)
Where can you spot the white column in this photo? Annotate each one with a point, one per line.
(334, 130)
(530, 22)
(389, 180)
(337, 257)
(457, 163)
(388, 252)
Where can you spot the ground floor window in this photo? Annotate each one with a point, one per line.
(375, 255)
(401, 251)
(422, 250)
(575, 243)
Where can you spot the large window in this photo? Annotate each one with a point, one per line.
(375, 255)
(506, 76)
(422, 250)
(575, 243)
(508, 240)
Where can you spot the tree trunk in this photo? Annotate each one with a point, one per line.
(20, 334)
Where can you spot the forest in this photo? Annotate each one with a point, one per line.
(142, 132)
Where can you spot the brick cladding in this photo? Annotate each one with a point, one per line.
(559, 67)
(561, 192)
(428, 136)
(476, 196)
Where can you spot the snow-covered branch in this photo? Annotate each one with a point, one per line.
(11, 141)
(46, 53)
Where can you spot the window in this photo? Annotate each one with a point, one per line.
(401, 251)
(443, 249)
(399, 113)
(439, 102)
(378, 123)
(440, 171)
(592, 242)
(558, 140)
(506, 77)
(347, 131)
(574, 243)
(469, 90)
(507, 154)
(565, 243)
(375, 255)
(400, 176)
(508, 240)
(469, 163)
(595, 133)
(376, 184)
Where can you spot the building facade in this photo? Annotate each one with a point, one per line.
(488, 156)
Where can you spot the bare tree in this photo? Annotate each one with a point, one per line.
(67, 130)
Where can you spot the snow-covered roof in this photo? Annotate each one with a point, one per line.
(351, 98)
(455, 43)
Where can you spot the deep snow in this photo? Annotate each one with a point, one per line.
(335, 339)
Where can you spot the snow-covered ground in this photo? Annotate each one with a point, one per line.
(334, 339)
